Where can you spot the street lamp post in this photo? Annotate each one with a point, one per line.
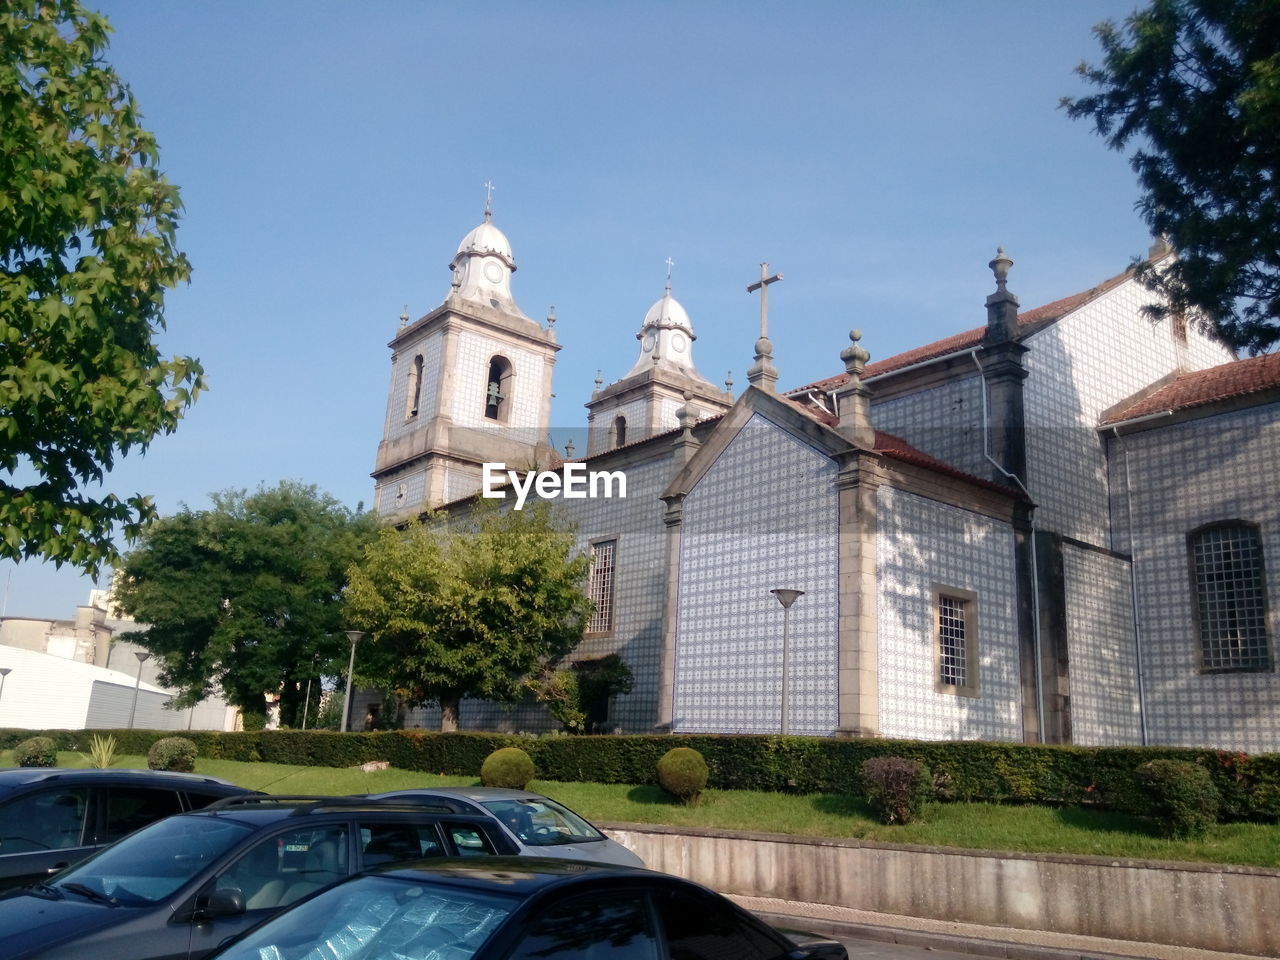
(306, 702)
(354, 636)
(786, 598)
(143, 657)
(4, 672)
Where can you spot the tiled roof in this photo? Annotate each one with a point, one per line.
(1237, 378)
(1028, 323)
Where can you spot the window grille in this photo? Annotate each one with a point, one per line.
(600, 586)
(1226, 563)
(952, 642)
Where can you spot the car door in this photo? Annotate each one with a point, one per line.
(612, 925)
(272, 873)
(124, 808)
(43, 830)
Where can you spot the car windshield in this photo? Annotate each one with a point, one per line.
(378, 918)
(149, 865)
(543, 822)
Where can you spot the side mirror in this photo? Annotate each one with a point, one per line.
(221, 903)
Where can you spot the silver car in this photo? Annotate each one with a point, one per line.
(537, 824)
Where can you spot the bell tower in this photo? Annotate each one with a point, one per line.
(470, 384)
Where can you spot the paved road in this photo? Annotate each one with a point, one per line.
(872, 950)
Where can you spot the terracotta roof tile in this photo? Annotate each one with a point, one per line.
(1028, 323)
(1236, 378)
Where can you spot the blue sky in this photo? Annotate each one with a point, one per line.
(332, 155)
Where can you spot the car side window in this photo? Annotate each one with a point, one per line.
(128, 808)
(390, 842)
(595, 927)
(285, 867)
(469, 840)
(197, 800)
(44, 820)
(699, 927)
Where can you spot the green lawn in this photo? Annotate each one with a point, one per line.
(974, 825)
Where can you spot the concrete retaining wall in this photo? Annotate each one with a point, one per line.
(1213, 907)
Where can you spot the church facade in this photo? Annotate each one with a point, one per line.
(1060, 526)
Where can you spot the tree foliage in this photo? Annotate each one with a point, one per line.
(472, 610)
(1195, 86)
(87, 250)
(247, 596)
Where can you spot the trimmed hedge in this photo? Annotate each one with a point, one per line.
(964, 770)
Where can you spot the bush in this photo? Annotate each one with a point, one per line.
(36, 752)
(683, 773)
(172, 753)
(508, 767)
(1181, 797)
(897, 788)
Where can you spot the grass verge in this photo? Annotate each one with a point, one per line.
(1027, 829)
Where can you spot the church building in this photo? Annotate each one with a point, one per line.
(1060, 526)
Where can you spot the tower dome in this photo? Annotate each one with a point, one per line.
(666, 337)
(482, 269)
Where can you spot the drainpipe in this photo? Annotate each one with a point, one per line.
(1035, 563)
(1133, 579)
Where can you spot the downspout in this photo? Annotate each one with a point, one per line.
(1035, 565)
(1133, 588)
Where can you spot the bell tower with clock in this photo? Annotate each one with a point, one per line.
(470, 384)
(644, 402)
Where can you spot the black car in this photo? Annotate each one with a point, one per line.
(521, 908)
(178, 888)
(52, 818)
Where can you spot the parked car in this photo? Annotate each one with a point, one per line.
(526, 908)
(178, 888)
(538, 825)
(52, 818)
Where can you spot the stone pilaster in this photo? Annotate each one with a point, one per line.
(859, 660)
(672, 517)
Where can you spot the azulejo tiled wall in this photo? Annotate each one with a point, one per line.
(923, 543)
(763, 517)
(944, 421)
(1100, 642)
(1225, 467)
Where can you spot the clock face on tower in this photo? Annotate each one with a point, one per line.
(493, 272)
(647, 343)
(678, 342)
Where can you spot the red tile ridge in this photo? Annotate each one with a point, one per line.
(1236, 378)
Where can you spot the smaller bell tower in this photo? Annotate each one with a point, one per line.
(470, 384)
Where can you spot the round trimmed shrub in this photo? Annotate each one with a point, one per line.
(36, 752)
(507, 767)
(1181, 797)
(172, 753)
(897, 788)
(683, 773)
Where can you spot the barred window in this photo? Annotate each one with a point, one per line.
(955, 631)
(600, 586)
(1231, 607)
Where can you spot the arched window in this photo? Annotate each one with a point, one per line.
(618, 432)
(1230, 595)
(413, 396)
(497, 394)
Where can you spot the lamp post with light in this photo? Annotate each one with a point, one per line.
(354, 636)
(306, 701)
(4, 672)
(143, 657)
(786, 598)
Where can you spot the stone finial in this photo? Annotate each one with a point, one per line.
(1000, 267)
(568, 449)
(763, 374)
(551, 317)
(687, 415)
(728, 382)
(404, 316)
(599, 383)
(1002, 306)
(855, 357)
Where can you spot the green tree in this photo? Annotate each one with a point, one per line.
(87, 251)
(475, 610)
(1195, 84)
(247, 597)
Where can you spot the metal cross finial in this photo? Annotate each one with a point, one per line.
(763, 287)
(488, 199)
(670, 263)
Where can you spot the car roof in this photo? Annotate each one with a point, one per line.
(478, 794)
(522, 876)
(11, 778)
(260, 809)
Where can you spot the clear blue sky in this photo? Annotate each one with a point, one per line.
(332, 155)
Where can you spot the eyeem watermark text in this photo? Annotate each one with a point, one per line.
(573, 482)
